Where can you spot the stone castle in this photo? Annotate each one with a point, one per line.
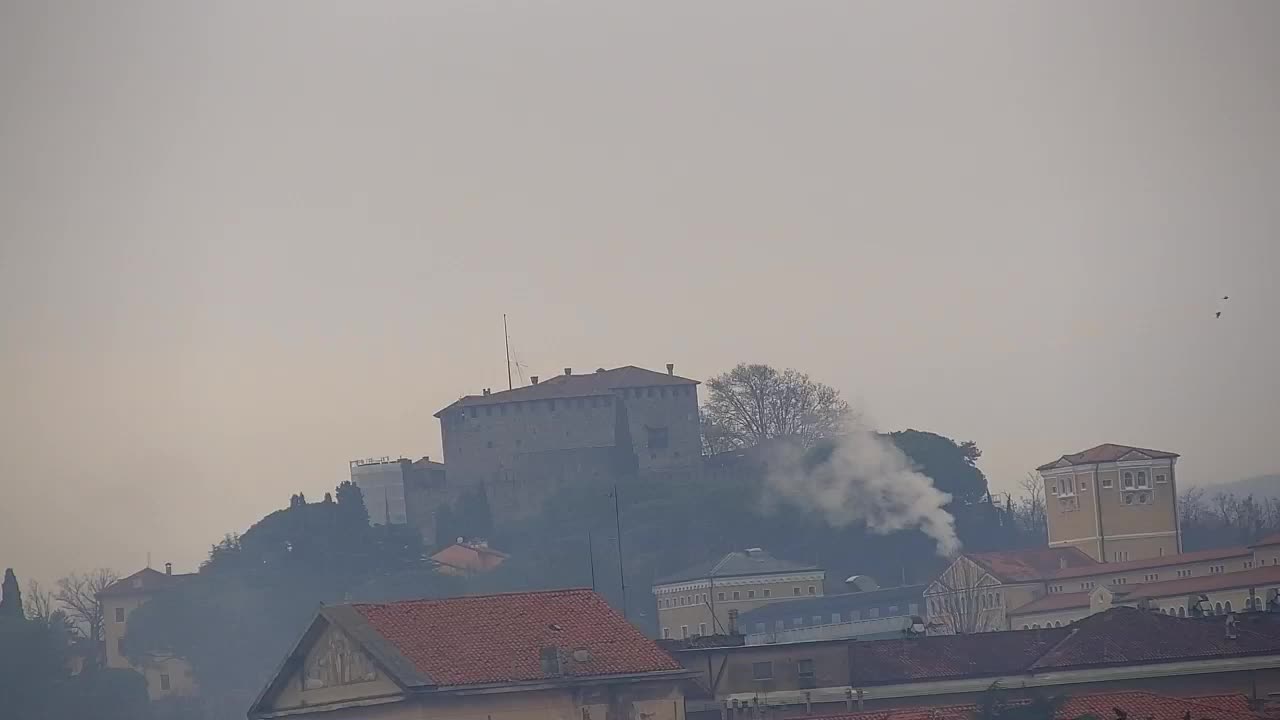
(519, 446)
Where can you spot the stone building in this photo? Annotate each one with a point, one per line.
(1113, 502)
(167, 676)
(707, 599)
(518, 445)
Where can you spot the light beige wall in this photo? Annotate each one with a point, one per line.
(181, 678)
(780, 590)
(1120, 518)
(1269, 555)
(1074, 517)
(659, 700)
(673, 407)
(1056, 618)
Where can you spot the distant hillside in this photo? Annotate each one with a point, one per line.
(1263, 486)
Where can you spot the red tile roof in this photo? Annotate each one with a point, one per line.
(1029, 565)
(1263, 576)
(1056, 601)
(470, 558)
(1105, 453)
(1127, 636)
(1143, 705)
(1119, 636)
(1155, 562)
(949, 657)
(143, 582)
(1268, 540)
(498, 638)
(583, 385)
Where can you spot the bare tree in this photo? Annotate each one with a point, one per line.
(965, 600)
(38, 602)
(753, 403)
(1030, 511)
(78, 595)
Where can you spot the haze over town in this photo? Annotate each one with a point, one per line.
(242, 244)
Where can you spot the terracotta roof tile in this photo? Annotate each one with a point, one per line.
(945, 657)
(1028, 565)
(1105, 453)
(1155, 562)
(583, 385)
(1127, 636)
(1273, 539)
(1119, 636)
(144, 581)
(1136, 704)
(1268, 576)
(499, 638)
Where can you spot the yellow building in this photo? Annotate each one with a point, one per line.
(1052, 587)
(167, 676)
(1114, 502)
(561, 654)
(707, 599)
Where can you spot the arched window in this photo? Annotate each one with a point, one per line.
(1026, 627)
(1127, 481)
(1217, 608)
(1057, 623)
(1227, 606)
(1035, 626)
(1182, 612)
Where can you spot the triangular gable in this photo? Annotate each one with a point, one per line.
(963, 574)
(338, 659)
(1134, 454)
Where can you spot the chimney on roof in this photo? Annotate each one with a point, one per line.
(1062, 562)
(486, 391)
(168, 568)
(568, 371)
(671, 368)
(599, 370)
(533, 379)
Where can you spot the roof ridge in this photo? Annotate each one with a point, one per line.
(455, 598)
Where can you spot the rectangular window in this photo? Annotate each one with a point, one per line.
(119, 614)
(658, 438)
(797, 622)
(817, 619)
(666, 633)
(164, 681)
(1142, 479)
(736, 595)
(702, 628)
(811, 590)
(684, 631)
(804, 669)
(751, 594)
(766, 592)
(835, 618)
(1126, 481)
(780, 625)
(1107, 482)
(720, 597)
(1161, 479)
(873, 613)
(795, 591)
(762, 671)
(475, 411)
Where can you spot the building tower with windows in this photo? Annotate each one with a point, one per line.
(1113, 502)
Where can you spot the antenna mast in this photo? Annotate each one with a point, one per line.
(506, 343)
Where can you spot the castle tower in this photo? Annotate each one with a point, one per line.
(1113, 502)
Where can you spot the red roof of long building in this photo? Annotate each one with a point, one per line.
(1136, 704)
(499, 638)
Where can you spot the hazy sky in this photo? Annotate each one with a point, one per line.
(244, 242)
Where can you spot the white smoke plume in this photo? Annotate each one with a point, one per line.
(866, 479)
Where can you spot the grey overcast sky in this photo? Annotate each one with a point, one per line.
(244, 242)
